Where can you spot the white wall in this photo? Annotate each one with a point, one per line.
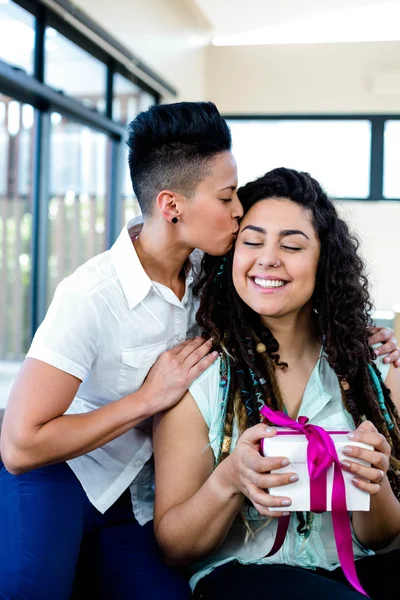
(309, 78)
(168, 35)
(377, 225)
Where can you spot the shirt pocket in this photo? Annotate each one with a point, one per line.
(135, 364)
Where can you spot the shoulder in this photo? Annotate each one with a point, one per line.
(93, 275)
(382, 367)
(392, 382)
(205, 390)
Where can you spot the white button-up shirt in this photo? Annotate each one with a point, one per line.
(107, 325)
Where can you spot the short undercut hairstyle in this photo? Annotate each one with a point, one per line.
(171, 146)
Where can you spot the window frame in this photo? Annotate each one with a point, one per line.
(377, 143)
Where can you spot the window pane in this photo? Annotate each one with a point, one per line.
(15, 226)
(128, 101)
(17, 24)
(336, 153)
(77, 201)
(74, 71)
(391, 169)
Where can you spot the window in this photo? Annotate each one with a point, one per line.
(128, 101)
(391, 166)
(335, 152)
(17, 24)
(16, 126)
(74, 71)
(77, 198)
(59, 154)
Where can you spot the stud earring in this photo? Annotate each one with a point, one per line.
(174, 220)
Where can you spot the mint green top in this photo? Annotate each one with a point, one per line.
(322, 404)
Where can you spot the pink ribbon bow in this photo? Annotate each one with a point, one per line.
(321, 454)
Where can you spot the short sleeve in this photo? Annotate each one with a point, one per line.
(69, 336)
(382, 367)
(205, 392)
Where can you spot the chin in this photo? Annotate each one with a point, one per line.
(219, 251)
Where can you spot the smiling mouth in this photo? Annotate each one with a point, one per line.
(269, 284)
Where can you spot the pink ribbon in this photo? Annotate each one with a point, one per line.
(321, 454)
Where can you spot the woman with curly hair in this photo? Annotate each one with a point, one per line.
(289, 312)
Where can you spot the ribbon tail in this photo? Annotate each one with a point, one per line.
(283, 525)
(342, 531)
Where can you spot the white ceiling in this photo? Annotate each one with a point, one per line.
(301, 20)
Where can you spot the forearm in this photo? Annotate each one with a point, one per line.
(198, 526)
(378, 527)
(68, 436)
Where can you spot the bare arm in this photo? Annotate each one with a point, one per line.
(378, 527)
(195, 506)
(36, 432)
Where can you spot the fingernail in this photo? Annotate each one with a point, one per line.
(351, 435)
(355, 480)
(386, 360)
(268, 430)
(376, 352)
(286, 513)
(348, 450)
(215, 353)
(293, 478)
(286, 502)
(346, 464)
(285, 462)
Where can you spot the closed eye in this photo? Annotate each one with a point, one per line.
(292, 248)
(226, 199)
(252, 244)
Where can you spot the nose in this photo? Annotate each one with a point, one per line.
(237, 208)
(268, 259)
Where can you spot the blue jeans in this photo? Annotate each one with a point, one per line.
(52, 536)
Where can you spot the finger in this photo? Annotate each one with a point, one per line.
(262, 498)
(266, 512)
(201, 366)
(372, 437)
(393, 357)
(266, 482)
(371, 488)
(194, 353)
(377, 459)
(368, 473)
(187, 347)
(397, 363)
(386, 348)
(253, 461)
(256, 433)
(380, 335)
(365, 426)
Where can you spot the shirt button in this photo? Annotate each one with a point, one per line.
(138, 464)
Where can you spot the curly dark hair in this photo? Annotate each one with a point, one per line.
(342, 309)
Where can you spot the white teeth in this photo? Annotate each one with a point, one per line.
(269, 283)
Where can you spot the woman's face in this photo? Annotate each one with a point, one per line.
(210, 219)
(276, 258)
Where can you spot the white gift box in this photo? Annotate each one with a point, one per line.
(293, 446)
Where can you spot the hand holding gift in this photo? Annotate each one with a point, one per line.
(367, 478)
(253, 475)
(327, 482)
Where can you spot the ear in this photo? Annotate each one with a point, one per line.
(168, 204)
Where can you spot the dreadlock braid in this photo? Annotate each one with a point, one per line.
(341, 308)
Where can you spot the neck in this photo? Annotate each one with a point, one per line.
(162, 256)
(296, 334)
